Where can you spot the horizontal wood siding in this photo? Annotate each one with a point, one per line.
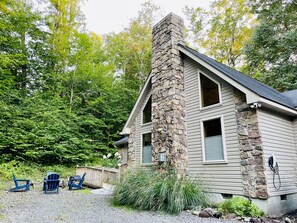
(278, 139)
(221, 178)
(141, 129)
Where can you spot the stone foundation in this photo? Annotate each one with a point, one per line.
(251, 149)
(168, 97)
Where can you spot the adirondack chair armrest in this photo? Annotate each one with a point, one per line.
(20, 180)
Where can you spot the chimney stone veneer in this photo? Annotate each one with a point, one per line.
(168, 96)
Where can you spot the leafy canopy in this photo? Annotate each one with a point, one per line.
(271, 53)
(221, 31)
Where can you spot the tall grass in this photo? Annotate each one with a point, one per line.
(155, 191)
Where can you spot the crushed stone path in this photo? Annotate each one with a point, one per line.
(77, 206)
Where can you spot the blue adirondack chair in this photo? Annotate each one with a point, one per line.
(76, 182)
(20, 184)
(51, 182)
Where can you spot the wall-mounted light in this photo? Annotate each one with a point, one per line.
(256, 105)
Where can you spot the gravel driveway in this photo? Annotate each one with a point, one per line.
(77, 206)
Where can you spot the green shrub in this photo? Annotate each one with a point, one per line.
(155, 191)
(241, 207)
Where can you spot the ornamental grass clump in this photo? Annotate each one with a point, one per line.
(156, 191)
(241, 207)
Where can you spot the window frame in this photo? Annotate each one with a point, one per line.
(223, 140)
(200, 91)
(141, 153)
(146, 101)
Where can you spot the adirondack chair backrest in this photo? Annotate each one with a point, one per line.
(82, 179)
(15, 180)
(52, 180)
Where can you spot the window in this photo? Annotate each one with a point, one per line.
(212, 140)
(147, 112)
(210, 91)
(147, 148)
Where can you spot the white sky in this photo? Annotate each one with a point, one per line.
(105, 16)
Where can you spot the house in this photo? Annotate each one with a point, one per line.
(206, 119)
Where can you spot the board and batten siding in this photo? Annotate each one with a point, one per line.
(141, 129)
(278, 139)
(220, 178)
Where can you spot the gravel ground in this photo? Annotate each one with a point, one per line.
(77, 206)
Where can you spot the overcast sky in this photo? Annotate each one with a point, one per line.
(105, 16)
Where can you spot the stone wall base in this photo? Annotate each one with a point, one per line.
(273, 206)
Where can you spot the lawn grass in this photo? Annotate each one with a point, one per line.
(34, 172)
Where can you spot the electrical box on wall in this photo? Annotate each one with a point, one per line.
(162, 157)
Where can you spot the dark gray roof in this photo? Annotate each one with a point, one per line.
(121, 142)
(255, 86)
(292, 95)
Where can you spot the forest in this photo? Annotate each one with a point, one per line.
(66, 92)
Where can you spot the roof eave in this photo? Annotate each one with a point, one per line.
(277, 107)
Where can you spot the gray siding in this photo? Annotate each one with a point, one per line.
(278, 139)
(295, 131)
(221, 178)
(141, 129)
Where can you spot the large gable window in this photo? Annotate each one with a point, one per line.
(147, 112)
(147, 148)
(213, 140)
(210, 91)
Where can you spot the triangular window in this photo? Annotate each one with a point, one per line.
(147, 112)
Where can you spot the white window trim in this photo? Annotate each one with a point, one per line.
(200, 92)
(223, 141)
(141, 151)
(146, 101)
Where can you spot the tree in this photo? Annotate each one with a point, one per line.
(222, 30)
(22, 47)
(130, 50)
(271, 52)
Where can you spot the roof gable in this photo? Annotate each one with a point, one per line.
(258, 88)
(143, 93)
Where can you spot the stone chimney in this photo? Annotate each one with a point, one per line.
(168, 96)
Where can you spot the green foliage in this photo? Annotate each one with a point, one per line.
(271, 52)
(222, 30)
(32, 171)
(156, 191)
(241, 207)
(130, 50)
